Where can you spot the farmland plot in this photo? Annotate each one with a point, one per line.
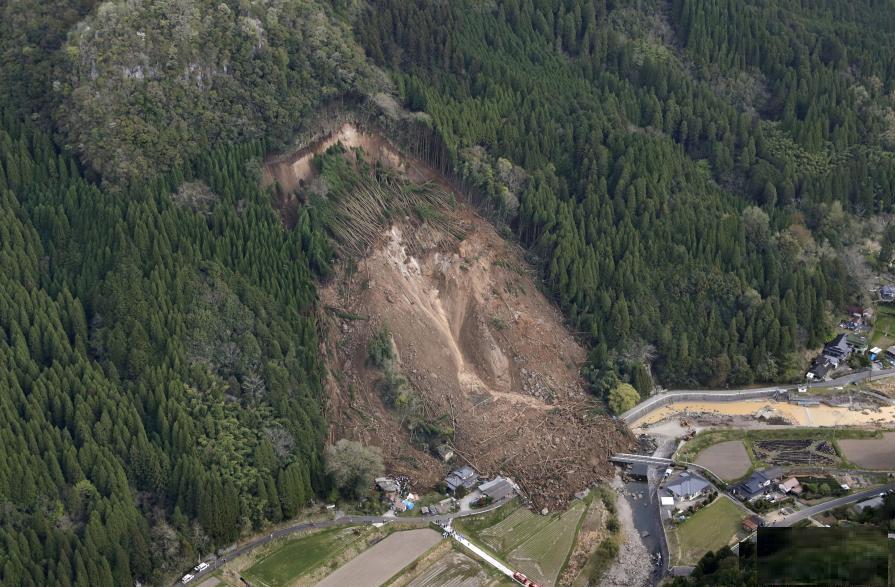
(513, 530)
(452, 570)
(543, 555)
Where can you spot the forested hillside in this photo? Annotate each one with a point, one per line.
(160, 373)
(690, 162)
(685, 174)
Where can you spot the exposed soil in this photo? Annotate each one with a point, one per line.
(747, 413)
(378, 564)
(478, 342)
(590, 535)
(481, 345)
(294, 170)
(872, 453)
(728, 459)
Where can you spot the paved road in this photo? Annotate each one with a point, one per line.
(342, 521)
(480, 552)
(644, 459)
(830, 505)
(654, 402)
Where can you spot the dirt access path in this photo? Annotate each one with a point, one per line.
(483, 348)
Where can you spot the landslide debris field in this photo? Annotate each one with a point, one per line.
(484, 353)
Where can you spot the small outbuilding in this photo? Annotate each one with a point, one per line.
(752, 523)
(791, 485)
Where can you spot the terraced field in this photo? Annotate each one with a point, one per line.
(452, 570)
(543, 555)
(513, 530)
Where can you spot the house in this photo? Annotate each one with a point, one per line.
(857, 342)
(819, 370)
(686, 486)
(497, 489)
(887, 293)
(839, 348)
(445, 506)
(890, 353)
(465, 477)
(387, 485)
(758, 484)
(791, 485)
(752, 523)
(444, 452)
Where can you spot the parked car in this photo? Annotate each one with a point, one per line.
(187, 578)
(200, 567)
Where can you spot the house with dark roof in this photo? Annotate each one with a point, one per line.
(837, 349)
(820, 370)
(497, 488)
(887, 293)
(758, 484)
(686, 486)
(465, 477)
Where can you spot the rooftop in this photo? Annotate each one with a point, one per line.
(686, 484)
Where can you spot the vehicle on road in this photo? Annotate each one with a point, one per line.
(200, 567)
(523, 580)
(187, 578)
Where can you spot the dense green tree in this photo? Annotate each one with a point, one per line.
(622, 398)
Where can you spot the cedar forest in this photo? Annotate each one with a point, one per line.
(693, 170)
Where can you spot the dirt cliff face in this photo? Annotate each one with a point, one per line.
(480, 344)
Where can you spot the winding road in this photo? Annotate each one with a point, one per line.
(263, 539)
(806, 513)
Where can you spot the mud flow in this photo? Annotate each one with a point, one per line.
(479, 343)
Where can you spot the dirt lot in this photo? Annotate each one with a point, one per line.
(729, 459)
(482, 347)
(384, 560)
(873, 453)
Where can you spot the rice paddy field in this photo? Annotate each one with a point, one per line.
(539, 546)
(543, 555)
(300, 556)
(454, 569)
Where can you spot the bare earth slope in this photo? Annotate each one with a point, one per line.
(474, 336)
(480, 343)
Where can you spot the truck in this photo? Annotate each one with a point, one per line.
(523, 580)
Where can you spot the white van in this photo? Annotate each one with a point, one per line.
(200, 567)
(187, 578)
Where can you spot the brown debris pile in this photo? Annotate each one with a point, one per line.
(482, 347)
